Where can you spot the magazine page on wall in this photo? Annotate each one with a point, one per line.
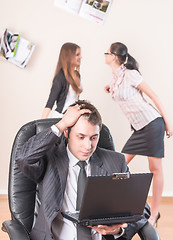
(95, 10)
(15, 49)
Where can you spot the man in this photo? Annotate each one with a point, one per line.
(52, 162)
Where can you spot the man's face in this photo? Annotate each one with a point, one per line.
(83, 139)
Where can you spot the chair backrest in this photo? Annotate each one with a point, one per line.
(23, 200)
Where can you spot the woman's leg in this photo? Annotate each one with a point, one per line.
(128, 157)
(155, 166)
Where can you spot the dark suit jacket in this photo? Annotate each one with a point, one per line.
(44, 159)
(58, 92)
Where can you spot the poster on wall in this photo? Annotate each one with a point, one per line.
(94, 10)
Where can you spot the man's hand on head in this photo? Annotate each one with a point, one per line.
(109, 230)
(70, 117)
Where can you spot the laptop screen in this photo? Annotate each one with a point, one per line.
(107, 196)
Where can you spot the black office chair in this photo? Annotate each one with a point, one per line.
(22, 192)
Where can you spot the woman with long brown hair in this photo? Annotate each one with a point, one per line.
(66, 86)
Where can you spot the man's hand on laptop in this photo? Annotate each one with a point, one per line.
(109, 230)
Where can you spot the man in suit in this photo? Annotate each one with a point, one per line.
(51, 160)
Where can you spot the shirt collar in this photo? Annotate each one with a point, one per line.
(120, 70)
(72, 159)
(119, 75)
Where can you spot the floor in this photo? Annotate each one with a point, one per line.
(164, 228)
(165, 223)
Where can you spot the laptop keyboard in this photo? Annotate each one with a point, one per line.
(103, 220)
(74, 215)
(111, 218)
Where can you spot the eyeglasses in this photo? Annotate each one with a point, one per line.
(107, 53)
(110, 53)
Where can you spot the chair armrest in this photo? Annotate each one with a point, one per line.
(15, 230)
(148, 232)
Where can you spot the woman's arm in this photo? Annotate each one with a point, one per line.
(45, 113)
(57, 87)
(143, 86)
(107, 89)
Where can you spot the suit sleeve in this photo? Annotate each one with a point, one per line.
(31, 158)
(125, 168)
(55, 91)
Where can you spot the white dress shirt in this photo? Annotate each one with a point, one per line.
(63, 228)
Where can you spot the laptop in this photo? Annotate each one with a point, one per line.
(115, 199)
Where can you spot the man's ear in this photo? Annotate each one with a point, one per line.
(66, 133)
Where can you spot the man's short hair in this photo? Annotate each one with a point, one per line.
(94, 117)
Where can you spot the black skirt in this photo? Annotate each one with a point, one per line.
(148, 141)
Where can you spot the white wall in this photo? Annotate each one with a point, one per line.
(144, 26)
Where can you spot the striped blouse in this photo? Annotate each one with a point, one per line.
(123, 89)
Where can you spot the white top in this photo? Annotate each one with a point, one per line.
(63, 228)
(124, 90)
(71, 98)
